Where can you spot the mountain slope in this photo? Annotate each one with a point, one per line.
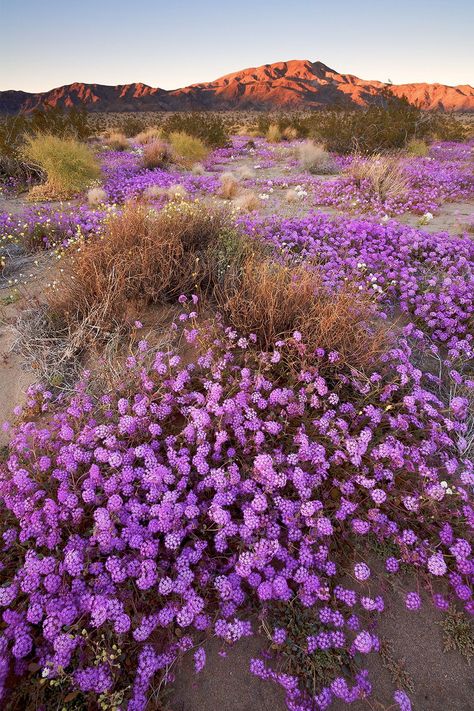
(294, 84)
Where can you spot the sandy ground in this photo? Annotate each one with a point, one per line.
(441, 681)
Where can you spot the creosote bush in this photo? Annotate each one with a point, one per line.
(70, 166)
(209, 128)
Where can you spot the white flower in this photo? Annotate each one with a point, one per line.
(385, 218)
(263, 196)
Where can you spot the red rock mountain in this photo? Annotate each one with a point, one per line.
(295, 84)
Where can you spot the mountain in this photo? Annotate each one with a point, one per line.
(297, 84)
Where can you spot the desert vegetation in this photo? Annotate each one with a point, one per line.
(250, 340)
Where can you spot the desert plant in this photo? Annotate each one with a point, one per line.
(117, 141)
(273, 134)
(290, 133)
(156, 154)
(209, 128)
(143, 256)
(149, 135)
(70, 166)
(96, 196)
(247, 202)
(274, 300)
(187, 149)
(229, 186)
(418, 148)
(384, 174)
(132, 125)
(314, 158)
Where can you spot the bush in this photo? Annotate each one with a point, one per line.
(315, 159)
(96, 197)
(418, 148)
(149, 135)
(117, 141)
(156, 154)
(229, 187)
(209, 128)
(384, 174)
(144, 256)
(70, 166)
(273, 134)
(15, 129)
(273, 300)
(372, 130)
(187, 149)
(132, 125)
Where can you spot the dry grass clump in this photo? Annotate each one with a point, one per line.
(384, 174)
(273, 301)
(314, 158)
(292, 196)
(156, 154)
(143, 257)
(96, 196)
(247, 202)
(290, 133)
(187, 149)
(273, 134)
(198, 169)
(177, 192)
(117, 141)
(69, 165)
(244, 172)
(229, 187)
(418, 148)
(149, 135)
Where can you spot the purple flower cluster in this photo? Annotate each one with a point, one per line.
(195, 492)
(444, 176)
(430, 277)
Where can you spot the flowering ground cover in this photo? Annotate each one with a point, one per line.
(221, 490)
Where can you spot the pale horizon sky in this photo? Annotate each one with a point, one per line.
(172, 44)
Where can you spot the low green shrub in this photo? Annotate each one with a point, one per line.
(70, 166)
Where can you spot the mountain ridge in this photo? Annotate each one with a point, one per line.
(295, 84)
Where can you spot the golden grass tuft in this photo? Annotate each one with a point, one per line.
(229, 186)
(117, 141)
(247, 202)
(315, 159)
(70, 166)
(187, 149)
(384, 174)
(418, 148)
(149, 135)
(273, 134)
(156, 154)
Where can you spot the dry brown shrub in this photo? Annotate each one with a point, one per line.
(149, 135)
(315, 159)
(273, 301)
(143, 257)
(156, 154)
(96, 196)
(247, 202)
(229, 186)
(117, 141)
(384, 173)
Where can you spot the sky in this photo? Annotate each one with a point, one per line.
(48, 43)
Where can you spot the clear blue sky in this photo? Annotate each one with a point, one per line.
(47, 43)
